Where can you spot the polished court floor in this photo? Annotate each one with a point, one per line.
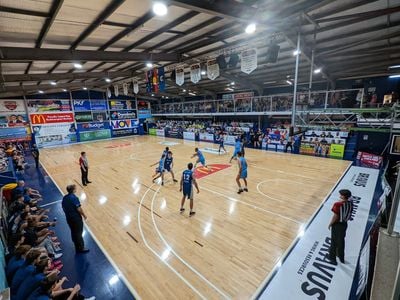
(232, 243)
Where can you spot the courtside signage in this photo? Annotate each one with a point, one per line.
(206, 137)
(212, 150)
(189, 136)
(51, 118)
(307, 273)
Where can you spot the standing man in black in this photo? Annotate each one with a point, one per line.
(74, 214)
(35, 154)
(338, 225)
(83, 163)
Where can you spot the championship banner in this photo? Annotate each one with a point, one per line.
(191, 136)
(8, 107)
(116, 90)
(51, 118)
(149, 76)
(48, 105)
(52, 135)
(180, 76)
(306, 272)
(108, 93)
(154, 81)
(212, 69)
(135, 87)
(195, 73)
(161, 79)
(206, 137)
(81, 105)
(249, 61)
(125, 88)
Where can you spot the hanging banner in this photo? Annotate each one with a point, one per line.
(116, 90)
(149, 75)
(161, 79)
(212, 69)
(125, 88)
(195, 73)
(135, 87)
(154, 81)
(108, 93)
(180, 76)
(249, 61)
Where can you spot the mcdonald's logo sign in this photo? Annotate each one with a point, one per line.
(51, 118)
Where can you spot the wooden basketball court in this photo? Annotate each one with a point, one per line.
(232, 243)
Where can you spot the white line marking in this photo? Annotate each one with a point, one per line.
(176, 254)
(156, 254)
(252, 206)
(120, 274)
(272, 198)
(51, 203)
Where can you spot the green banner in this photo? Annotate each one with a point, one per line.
(95, 135)
(337, 151)
(152, 131)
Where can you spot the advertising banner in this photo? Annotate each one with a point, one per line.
(94, 135)
(152, 131)
(121, 104)
(93, 126)
(84, 116)
(369, 160)
(52, 135)
(126, 114)
(160, 132)
(17, 132)
(51, 118)
(306, 272)
(126, 132)
(81, 105)
(174, 133)
(230, 139)
(336, 151)
(13, 120)
(10, 107)
(206, 137)
(98, 104)
(123, 124)
(48, 105)
(99, 116)
(189, 136)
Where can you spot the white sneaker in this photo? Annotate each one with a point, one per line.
(58, 255)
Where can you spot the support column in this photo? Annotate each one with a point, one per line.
(295, 80)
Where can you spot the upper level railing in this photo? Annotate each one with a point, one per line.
(352, 98)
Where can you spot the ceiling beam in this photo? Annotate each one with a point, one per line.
(17, 54)
(25, 12)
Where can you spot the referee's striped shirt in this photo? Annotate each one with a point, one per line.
(345, 211)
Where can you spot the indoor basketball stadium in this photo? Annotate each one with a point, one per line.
(200, 149)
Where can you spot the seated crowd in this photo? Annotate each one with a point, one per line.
(33, 263)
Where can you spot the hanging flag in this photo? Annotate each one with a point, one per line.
(212, 69)
(249, 61)
(154, 87)
(135, 87)
(195, 73)
(108, 93)
(180, 76)
(149, 75)
(161, 79)
(116, 91)
(125, 88)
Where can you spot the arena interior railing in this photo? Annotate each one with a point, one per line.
(350, 98)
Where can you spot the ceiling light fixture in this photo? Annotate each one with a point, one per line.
(296, 52)
(289, 82)
(53, 83)
(152, 95)
(107, 80)
(40, 92)
(184, 90)
(203, 72)
(394, 76)
(64, 90)
(232, 83)
(317, 71)
(192, 94)
(85, 88)
(78, 66)
(394, 67)
(160, 9)
(251, 28)
(149, 65)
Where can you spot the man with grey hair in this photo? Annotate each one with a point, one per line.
(74, 214)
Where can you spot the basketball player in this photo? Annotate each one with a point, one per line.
(221, 144)
(187, 182)
(165, 152)
(238, 146)
(200, 159)
(242, 173)
(159, 170)
(168, 164)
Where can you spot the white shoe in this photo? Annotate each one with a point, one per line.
(58, 255)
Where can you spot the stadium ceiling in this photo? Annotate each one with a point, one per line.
(41, 40)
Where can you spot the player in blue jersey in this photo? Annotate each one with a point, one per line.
(221, 144)
(238, 147)
(168, 164)
(187, 182)
(200, 159)
(242, 173)
(159, 170)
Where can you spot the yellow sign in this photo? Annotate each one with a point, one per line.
(337, 151)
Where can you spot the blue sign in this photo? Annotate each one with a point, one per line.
(93, 126)
(14, 132)
(98, 104)
(144, 113)
(81, 105)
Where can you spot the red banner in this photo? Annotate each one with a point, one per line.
(369, 160)
(51, 118)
